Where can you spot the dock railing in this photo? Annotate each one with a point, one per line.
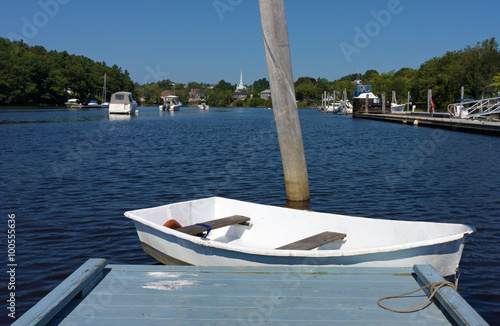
(473, 109)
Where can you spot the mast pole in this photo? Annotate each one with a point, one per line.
(286, 116)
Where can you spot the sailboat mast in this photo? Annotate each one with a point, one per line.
(104, 89)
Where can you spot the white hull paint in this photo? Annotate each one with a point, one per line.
(121, 109)
(169, 108)
(369, 242)
(397, 108)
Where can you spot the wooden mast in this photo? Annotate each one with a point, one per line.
(286, 116)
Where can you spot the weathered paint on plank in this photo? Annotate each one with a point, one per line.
(51, 304)
(239, 296)
(453, 302)
(200, 288)
(262, 269)
(180, 295)
(138, 277)
(273, 312)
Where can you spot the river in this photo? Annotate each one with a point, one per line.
(67, 177)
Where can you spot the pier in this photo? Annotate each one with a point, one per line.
(102, 294)
(438, 120)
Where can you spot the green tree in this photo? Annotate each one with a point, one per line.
(259, 86)
(224, 86)
(496, 80)
(306, 89)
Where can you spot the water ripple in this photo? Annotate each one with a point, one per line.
(69, 176)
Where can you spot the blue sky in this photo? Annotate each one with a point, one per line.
(210, 40)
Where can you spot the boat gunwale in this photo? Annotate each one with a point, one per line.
(300, 253)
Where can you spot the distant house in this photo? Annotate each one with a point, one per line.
(265, 94)
(195, 95)
(166, 93)
(239, 96)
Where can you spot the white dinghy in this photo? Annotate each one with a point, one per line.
(247, 234)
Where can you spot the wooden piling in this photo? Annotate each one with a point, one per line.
(429, 100)
(279, 66)
(383, 103)
(408, 101)
(334, 100)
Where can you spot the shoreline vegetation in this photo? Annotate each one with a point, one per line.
(32, 76)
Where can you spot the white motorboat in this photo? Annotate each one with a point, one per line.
(224, 232)
(361, 90)
(122, 103)
(73, 103)
(171, 103)
(333, 107)
(344, 108)
(93, 104)
(203, 106)
(397, 108)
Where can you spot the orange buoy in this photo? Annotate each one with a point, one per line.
(173, 224)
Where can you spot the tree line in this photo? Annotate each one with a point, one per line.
(31, 75)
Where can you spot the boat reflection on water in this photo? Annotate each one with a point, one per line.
(120, 117)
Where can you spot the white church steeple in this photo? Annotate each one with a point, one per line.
(241, 87)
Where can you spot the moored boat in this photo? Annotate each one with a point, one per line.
(224, 232)
(171, 103)
(360, 101)
(203, 106)
(397, 108)
(93, 104)
(73, 103)
(122, 103)
(344, 108)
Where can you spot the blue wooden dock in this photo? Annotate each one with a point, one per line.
(102, 294)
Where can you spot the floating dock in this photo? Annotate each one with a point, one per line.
(102, 294)
(442, 121)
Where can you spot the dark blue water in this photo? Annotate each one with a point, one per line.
(68, 176)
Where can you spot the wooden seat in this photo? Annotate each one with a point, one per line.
(314, 241)
(213, 224)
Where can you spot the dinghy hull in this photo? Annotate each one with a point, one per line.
(254, 244)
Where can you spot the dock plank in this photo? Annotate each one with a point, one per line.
(40, 314)
(461, 311)
(185, 295)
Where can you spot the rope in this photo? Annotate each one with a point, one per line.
(434, 287)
